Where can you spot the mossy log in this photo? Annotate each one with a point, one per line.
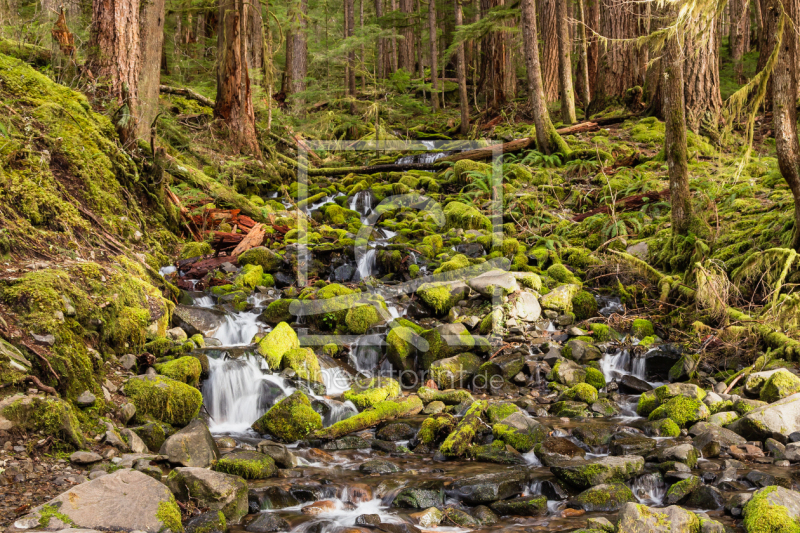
(380, 412)
(30, 53)
(770, 336)
(457, 443)
(186, 93)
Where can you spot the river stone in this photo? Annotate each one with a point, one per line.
(525, 506)
(85, 458)
(560, 298)
(455, 372)
(706, 497)
(525, 307)
(723, 418)
(86, 399)
(279, 453)
(211, 522)
(636, 518)
(581, 352)
(247, 464)
(673, 390)
(779, 385)
(567, 373)
(378, 466)
(594, 434)
(585, 474)
(777, 421)
(191, 446)
(446, 341)
(627, 444)
(193, 320)
(485, 488)
(215, 490)
(772, 510)
(682, 453)
(289, 420)
(395, 432)
(519, 431)
(125, 500)
(135, 443)
(489, 282)
(756, 380)
(430, 517)
(556, 450)
(421, 495)
(680, 491)
(603, 498)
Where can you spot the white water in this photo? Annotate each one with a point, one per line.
(649, 489)
(362, 202)
(239, 329)
(238, 392)
(366, 264)
(620, 364)
(366, 353)
(204, 301)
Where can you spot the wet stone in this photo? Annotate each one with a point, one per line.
(378, 466)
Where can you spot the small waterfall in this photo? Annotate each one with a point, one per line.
(203, 301)
(532, 460)
(339, 411)
(238, 329)
(362, 202)
(650, 489)
(366, 264)
(238, 392)
(620, 364)
(366, 353)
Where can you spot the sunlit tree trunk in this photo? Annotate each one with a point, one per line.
(548, 15)
(434, 53)
(565, 64)
(701, 75)
(739, 13)
(461, 73)
(151, 37)
(583, 57)
(380, 54)
(406, 45)
(616, 70)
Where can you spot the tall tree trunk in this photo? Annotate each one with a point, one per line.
(363, 59)
(151, 39)
(286, 81)
(406, 45)
(616, 70)
(200, 33)
(349, 6)
(461, 73)
(565, 65)
(234, 105)
(380, 54)
(395, 44)
(767, 44)
(739, 12)
(675, 137)
(548, 15)
(645, 11)
(593, 52)
(701, 75)
(583, 57)
(115, 57)
(434, 54)
(253, 29)
(299, 63)
(547, 139)
(784, 88)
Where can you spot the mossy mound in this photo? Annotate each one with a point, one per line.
(582, 392)
(261, 256)
(366, 393)
(779, 385)
(276, 343)
(289, 420)
(642, 328)
(681, 410)
(584, 305)
(401, 351)
(304, 362)
(595, 378)
(437, 296)
(163, 399)
(247, 464)
(359, 319)
(277, 312)
(466, 217)
(49, 416)
(184, 369)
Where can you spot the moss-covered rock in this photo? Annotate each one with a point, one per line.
(290, 420)
(582, 392)
(247, 464)
(368, 392)
(456, 371)
(49, 416)
(276, 343)
(584, 305)
(359, 319)
(445, 341)
(262, 256)
(250, 277)
(163, 399)
(436, 428)
(604, 498)
(779, 385)
(277, 312)
(520, 431)
(447, 397)
(595, 378)
(642, 328)
(438, 296)
(560, 298)
(681, 410)
(304, 362)
(185, 369)
(772, 510)
(401, 350)
(466, 217)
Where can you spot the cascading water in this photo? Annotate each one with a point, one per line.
(366, 264)
(239, 391)
(362, 202)
(621, 363)
(366, 353)
(239, 329)
(650, 489)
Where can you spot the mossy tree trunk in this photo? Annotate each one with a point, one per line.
(151, 37)
(547, 139)
(675, 136)
(234, 104)
(548, 18)
(461, 73)
(115, 58)
(740, 15)
(565, 64)
(784, 86)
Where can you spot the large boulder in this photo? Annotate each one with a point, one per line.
(198, 320)
(446, 341)
(163, 399)
(215, 490)
(777, 420)
(560, 298)
(713, 439)
(603, 498)
(290, 420)
(276, 343)
(755, 381)
(494, 281)
(262, 256)
(247, 464)
(585, 474)
(520, 431)
(455, 372)
(125, 500)
(636, 518)
(191, 446)
(772, 510)
(51, 416)
(567, 373)
(779, 385)
(681, 410)
(525, 307)
(486, 488)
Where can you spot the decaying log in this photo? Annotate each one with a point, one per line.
(630, 203)
(254, 238)
(186, 93)
(380, 412)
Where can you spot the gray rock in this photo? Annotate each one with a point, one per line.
(125, 500)
(267, 523)
(127, 361)
(135, 443)
(525, 307)
(494, 280)
(14, 358)
(632, 385)
(635, 518)
(558, 450)
(766, 503)
(638, 250)
(756, 380)
(714, 439)
(215, 490)
(683, 453)
(627, 444)
(587, 474)
(560, 298)
(206, 523)
(279, 453)
(485, 488)
(603, 498)
(126, 412)
(86, 399)
(177, 334)
(85, 458)
(378, 466)
(194, 320)
(421, 495)
(47, 340)
(777, 420)
(192, 446)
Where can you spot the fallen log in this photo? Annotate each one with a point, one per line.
(184, 214)
(253, 238)
(457, 443)
(629, 203)
(373, 169)
(186, 93)
(380, 412)
(489, 151)
(583, 127)
(199, 269)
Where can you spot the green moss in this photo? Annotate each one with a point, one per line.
(456, 263)
(48, 512)
(248, 465)
(582, 392)
(163, 399)
(595, 378)
(379, 412)
(276, 343)
(681, 410)
(268, 260)
(561, 274)
(779, 385)
(496, 412)
(49, 416)
(459, 215)
(277, 311)
(584, 305)
(195, 249)
(461, 437)
(601, 332)
(184, 369)
(435, 428)
(170, 515)
(367, 393)
(647, 403)
(437, 296)
(761, 515)
(521, 441)
(642, 328)
(304, 362)
(359, 319)
(290, 420)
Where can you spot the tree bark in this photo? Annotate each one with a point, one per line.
(583, 57)
(461, 73)
(299, 49)
(254, 29)
(395, 45)
(547, 140)
(434, 54)
(380, 54)
(739, 12)
(767, 44)
(234, 105)
(548, 15)
(784, 112)
(406, 45)
(675, 137)
(349, 6)
(565, 65)
(115, 58)
(151, 37)
(616, 71)
(701, 74)
(593, 52)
